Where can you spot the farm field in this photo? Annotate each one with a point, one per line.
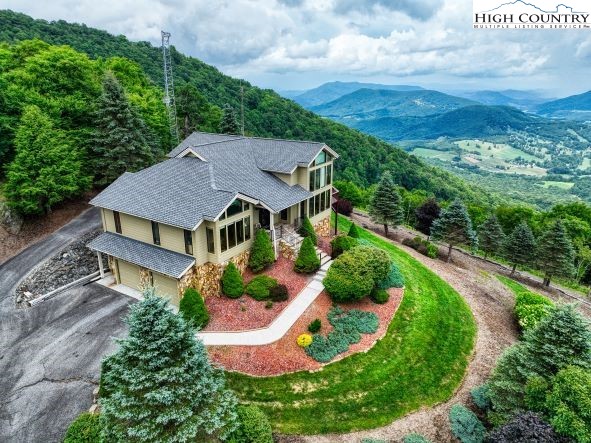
(556, 184)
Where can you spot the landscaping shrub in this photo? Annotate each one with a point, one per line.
(354, 274)
(86, 428)
(193, 310)
(269, 304)
(465, 425)
(394, 279)
(261, 253)
(353, 231)
(315, 326)
(530, 308)
(415, 438)
(344, 207)
(307, 230)
(347, 329)
(342, 243)
(379, 296)
(259, 287)
(278, 293)
(307, 260)
(480, 397)
(304, 340)
(232, 284)
(525, 427)
(536, 389)
(254, 426)
(421, 245)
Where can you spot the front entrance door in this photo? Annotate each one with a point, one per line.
(264, 218)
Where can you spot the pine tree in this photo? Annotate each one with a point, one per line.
(47, 168)
(232, 283)
(229, 123)
(520, 246)
(262, 253)
(491, 236)
(555, 253)
(307, 230)
(121, 142)
(353, 231)
(307, 260)
(385, 206)
(159, 386)
(426, 214)
(454, 227)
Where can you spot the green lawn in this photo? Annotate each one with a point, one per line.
(420, 362)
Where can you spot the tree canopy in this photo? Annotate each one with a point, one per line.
(454, 227)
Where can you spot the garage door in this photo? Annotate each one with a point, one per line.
(129, 274)
(166, 287)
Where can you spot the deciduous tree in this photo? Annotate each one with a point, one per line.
(426, 214)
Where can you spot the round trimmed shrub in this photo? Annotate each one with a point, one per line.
(304, 340)
(279, 293)
(307, 261)
(261, 252)
(232, 284)
(465, 425)
(259, 287)
(415, 438)
(254, 426)
(394, 279)
(314, 326)
(307, 230)
(342, 243)
(353, 231)
(85, 428)
(193, 310)
(379, 296)
(480, 397)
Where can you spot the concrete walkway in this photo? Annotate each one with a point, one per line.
(280, 325)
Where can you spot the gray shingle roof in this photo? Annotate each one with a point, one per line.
(200, 138)
(148, 256)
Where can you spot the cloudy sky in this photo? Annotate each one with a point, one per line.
(299, 44)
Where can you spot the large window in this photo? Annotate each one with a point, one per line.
(210, 240)
(117, 219)
(319, 203)
(156, 233)
(188, 241)
(234, 234)
(320, 177)
(323, 157)
(236, 207)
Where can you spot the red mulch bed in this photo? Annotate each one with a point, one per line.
(324, 244)
(286, 356)
(246, 313)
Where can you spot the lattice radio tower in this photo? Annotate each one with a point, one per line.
(169, 87)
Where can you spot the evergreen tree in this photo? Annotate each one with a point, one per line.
(262, 253)
(307, 230)
(194, 112)
(491, 236)
(232, 283)
(353, 231)
(520, 246)
(192, 308)
(454, 227)
(159, 386)
(555, 253)
(122, 142)
(229, 123)
(426, 214)
(385, 206)
(47, 168)
(307, 260)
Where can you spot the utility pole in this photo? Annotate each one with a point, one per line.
(169, 99)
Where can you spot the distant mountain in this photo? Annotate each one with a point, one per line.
(331, 91)
(524, 100)
(466, 122)
(367, 104)
(577, 107)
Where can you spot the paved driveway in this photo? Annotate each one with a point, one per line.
(50, 354)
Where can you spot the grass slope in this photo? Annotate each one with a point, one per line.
(420, 362)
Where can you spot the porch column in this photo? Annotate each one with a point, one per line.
(101, 268)
(272, 229)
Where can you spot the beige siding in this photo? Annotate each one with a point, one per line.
(200, 244)
(290, 179)
(166, 287)
(302, 177)
(109, 220)
(171, 238)
(136, 228)
(129, 274)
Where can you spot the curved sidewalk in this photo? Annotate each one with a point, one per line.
(279, 327)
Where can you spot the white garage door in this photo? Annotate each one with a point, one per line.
(166, 287)
(129, 274)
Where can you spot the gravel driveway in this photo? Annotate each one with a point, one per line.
(50, 354)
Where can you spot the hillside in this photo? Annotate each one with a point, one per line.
(328, 92)
(524, 100)
(574, 107)
(267, 114)
(367, 104)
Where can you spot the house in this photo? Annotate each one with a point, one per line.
(177, 224)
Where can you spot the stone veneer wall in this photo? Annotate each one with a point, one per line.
(207, 278)
(322, 228)
(144, 278)
(111, 262)
(287, 251)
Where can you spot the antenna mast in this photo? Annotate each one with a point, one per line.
(169, 87)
